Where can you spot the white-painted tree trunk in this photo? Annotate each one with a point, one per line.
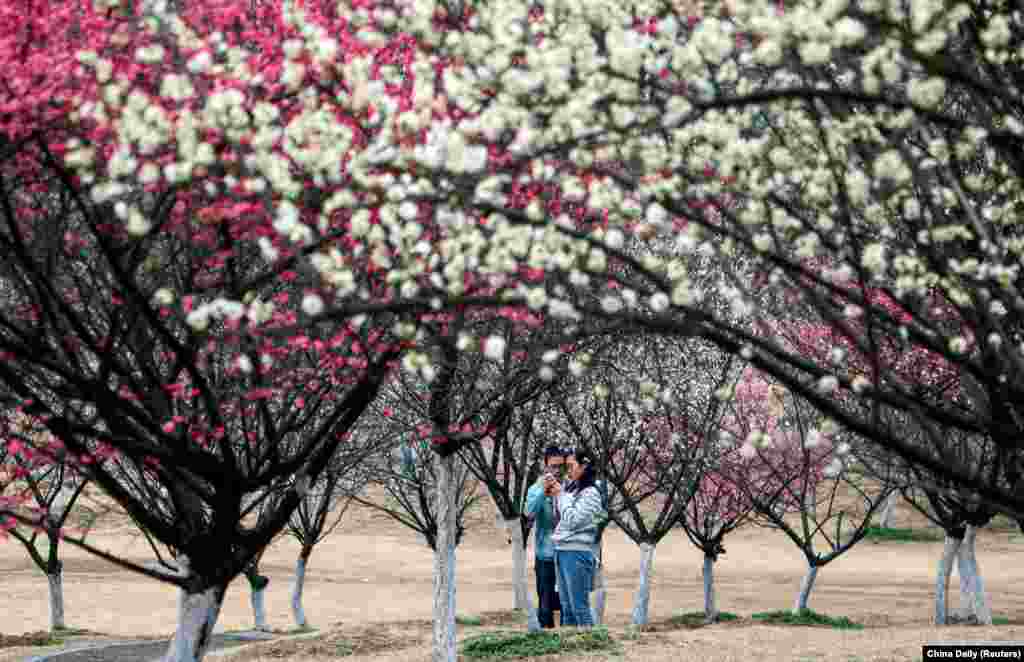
(259, 609)
(56, 582)
(444, 561)
(298, 613)
(973, 599)
(949, 552)
(642, 601)
(805, 588)
(888, 516)
(710, 608)
(521, 587)
(519, 580)
(600, 594)
(197, 616)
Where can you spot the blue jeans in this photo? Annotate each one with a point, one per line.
(575, 581)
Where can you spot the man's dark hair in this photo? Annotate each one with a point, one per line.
(554, 451)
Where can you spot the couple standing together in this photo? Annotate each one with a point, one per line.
(568, 517)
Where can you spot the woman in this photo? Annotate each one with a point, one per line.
(578, 509)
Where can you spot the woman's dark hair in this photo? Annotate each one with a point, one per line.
(585, 459)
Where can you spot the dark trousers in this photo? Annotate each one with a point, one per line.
(548, 597)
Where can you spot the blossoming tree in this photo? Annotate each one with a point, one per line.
(433, 486)
(144, 333)
(322, 510)
(33, 485)
(933, 379)
(960, 514)
(796, 468)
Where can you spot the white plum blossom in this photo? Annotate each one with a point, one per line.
(834, 468)
(494, 348)
(138, 225)
(926, 93)
(958, 344)
(659, 302)
(611, 304)
(827, 384)
(243, 363)
(163, 296)
(198, 319)
(312, 305)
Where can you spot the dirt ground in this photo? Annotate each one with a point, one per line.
(371, 581)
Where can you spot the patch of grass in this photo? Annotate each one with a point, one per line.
(1003, 522)
(343, 648)
(632, 633)
(469, 620)
(509, 645)
(73, 632)
(806, 617)
(879, 534)
(693, 619)
(39, 638)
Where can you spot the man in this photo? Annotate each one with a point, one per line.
(540, 509)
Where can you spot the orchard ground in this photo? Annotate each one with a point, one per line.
(369, 591)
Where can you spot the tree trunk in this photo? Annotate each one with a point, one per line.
(599, 594)
(257, 592)
(521, 587)
(519, 579)
(805, 588)
(56, 582)
(298, 612)
(888, 516)
(259, 609)
(973, 600)
(710, 608)
(197, 616)
(949, 551)
(444, 561)
(643, 592)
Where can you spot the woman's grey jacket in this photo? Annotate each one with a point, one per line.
(580, 513)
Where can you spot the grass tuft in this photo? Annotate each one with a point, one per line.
(1002, 522)
(878, 534)
(510, 645)
(39, 638)
(71, 632)
(469, 620)
(693, 619)
(806, 617)
(632, 633)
